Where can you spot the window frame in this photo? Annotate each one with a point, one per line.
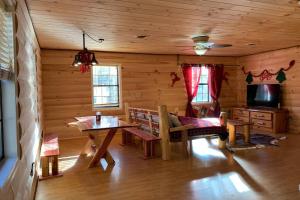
(201, 84)
(1, 126)
(97, 107)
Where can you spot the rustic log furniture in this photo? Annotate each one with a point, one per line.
(232, 126)
(93, 129)
(156, 123)
(49, 155)
(148, 130)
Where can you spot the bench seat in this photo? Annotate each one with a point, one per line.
(49, 153)
(147, 138)
(142, 134)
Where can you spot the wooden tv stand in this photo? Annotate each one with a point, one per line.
(270, 120)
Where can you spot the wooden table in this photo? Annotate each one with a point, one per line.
(93, 129)
(232, 125)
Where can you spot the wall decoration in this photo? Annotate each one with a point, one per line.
(267, 75)
(174, 78)
(225, 77)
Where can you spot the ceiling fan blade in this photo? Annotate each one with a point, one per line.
(220, 45)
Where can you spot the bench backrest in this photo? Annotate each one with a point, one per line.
(148, 119)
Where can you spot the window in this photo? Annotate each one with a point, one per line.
(106, 90)
(5, 63)
(203, 92)
(1, 129)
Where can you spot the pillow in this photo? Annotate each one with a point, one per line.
(170, 121)
(173, 119)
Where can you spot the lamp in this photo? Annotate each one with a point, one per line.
(84, 59)
(200, 50)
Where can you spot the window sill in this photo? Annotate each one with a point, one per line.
(7, 166)
(106, 108)
(201, 103)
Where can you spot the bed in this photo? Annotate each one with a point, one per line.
(201, 127)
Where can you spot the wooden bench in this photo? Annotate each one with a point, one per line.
(49, 155)
(157, 123)
(148, 140)
(148, 131)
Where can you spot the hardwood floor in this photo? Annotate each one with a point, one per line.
(269, 173)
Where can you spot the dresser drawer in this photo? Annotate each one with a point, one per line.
(261, 115)
(261, 128)
(262, 123)
(240, 113)
(244, 119)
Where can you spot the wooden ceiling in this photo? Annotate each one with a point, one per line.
(168, 24)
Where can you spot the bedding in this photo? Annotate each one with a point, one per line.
(203, 126)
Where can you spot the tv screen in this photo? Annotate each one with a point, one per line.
(265, 95)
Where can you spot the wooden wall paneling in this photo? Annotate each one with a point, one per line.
(146, 83)
(273, 61)
(28, 81)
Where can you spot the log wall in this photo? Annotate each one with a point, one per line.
(29, 107)
(273, 61)
(145, 82)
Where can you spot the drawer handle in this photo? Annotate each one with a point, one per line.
(259, 115)
(260, 123)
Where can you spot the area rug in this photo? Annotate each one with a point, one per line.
(257, 141)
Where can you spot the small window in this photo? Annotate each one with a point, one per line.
(203, 91)
(106, 90)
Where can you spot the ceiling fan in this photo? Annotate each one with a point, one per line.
(202, 44)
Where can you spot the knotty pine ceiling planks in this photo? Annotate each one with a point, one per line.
(169, 24)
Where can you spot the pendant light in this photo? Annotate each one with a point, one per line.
(85, 59)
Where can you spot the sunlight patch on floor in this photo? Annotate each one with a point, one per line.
(67, 162)
(219, 185)
(202, 147)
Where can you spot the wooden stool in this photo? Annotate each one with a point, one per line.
(49, 154)
(232, 124)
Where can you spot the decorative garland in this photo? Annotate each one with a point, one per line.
(267, 75)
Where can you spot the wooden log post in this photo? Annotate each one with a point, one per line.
(246, 132)
(127, 114)
(232, 130)
(164, 132)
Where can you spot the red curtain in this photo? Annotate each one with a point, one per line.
(191, 75)
(215, 78)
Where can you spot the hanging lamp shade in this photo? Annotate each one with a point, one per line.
(84, 59)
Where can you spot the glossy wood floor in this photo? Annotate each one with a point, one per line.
(209, 174)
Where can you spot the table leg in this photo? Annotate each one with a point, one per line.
(146, 149)
(45, 166)
(89, 144)
(109, 159)
(102, 150)
(231, 134)
(124, 137)
(246, 133)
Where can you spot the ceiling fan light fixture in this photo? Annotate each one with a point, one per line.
(200, 51)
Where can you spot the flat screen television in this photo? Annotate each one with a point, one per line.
(263, 95)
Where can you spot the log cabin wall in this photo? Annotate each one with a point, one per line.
(145, 82)
(273, 61)
(21, 185)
